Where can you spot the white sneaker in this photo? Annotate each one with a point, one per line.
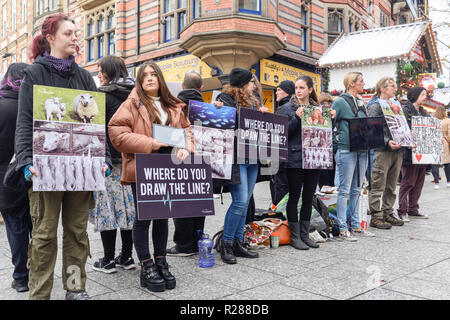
(448, 184)
(405, 218)
(362, 233)
(436, 187)
(346, 235)
(316, 237)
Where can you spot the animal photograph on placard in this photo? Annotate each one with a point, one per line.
(68, 105)
(396, 122)
(68, 139)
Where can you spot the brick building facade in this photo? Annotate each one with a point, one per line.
(208, 35)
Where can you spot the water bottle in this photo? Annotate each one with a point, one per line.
(205, 252)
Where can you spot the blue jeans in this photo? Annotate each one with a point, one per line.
(349, 190)
(18, 231)
(240, 194)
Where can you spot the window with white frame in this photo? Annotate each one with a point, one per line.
(4, 21)
(52, 4)
(24, 55)
(13, 14)
(41, 6)
(5, 66)
(24, 11)
(384, 20)
(100, 34)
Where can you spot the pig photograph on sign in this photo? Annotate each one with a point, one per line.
(213, 130)
(397, 124)
(428, 135)
(68, 139)
(317, 141)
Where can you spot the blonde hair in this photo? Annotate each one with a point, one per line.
(440, 113)
(381, 84)
(350, 78)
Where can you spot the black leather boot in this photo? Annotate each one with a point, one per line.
(163, 269)
(240, 251)
(304, 234)
(296, 242)
(226, 252)
(150, 277)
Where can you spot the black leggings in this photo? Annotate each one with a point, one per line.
(160, 233)
(298, 178)
(109, 243)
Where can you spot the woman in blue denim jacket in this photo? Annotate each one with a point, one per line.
(352, 165)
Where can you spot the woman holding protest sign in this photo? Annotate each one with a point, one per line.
(114, 207)
(130, 131)
(350, 165)
(300, 180)
(54, 65)
(413, 175)
(238, 94)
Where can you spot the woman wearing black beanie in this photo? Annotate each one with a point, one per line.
(413, 175)
(238, 94)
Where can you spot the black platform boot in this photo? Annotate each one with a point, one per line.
(240, 251)
(163, 269)
(150, 277)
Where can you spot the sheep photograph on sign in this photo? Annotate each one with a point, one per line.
(68, 139)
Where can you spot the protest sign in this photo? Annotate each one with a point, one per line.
(396, 121)
(68, 139)
(428, 136)
(366, 133)
(165, 189)
(317, 139)
(213, 130)
(262, 136)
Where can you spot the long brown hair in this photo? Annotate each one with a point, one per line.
(310, 84)
(242, 97)
(167, 99)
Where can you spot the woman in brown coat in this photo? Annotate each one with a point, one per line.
(130, 131)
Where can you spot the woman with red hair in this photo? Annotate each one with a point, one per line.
(53, 51)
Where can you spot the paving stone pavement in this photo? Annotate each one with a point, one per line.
(411, 262)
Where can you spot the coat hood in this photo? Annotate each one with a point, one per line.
(190, 94)
(120, 89)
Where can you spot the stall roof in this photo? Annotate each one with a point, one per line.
(373, 44)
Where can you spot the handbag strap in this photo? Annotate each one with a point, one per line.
(272, 223)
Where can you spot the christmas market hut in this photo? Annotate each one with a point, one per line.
(406, 52)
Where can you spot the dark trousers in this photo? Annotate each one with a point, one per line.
(304, 182)
(109, 243)
(413, 178)
(435, 171)
(18, 231)
(160, 232)
(279, 185)
(187, 233)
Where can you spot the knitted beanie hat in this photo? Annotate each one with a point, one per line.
(287, 86)
(240, 77)
(414, 93)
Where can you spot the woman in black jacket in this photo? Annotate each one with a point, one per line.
(299, 180)
(114, 207)
(54, 65)
(13, 205)
(238, 94)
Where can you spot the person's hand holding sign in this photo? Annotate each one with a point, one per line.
(182, 154)
(299, 112)
(156, 145)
